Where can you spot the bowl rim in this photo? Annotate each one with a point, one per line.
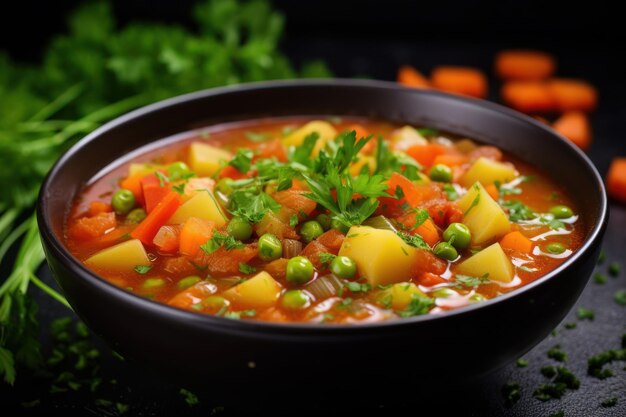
(247, 326)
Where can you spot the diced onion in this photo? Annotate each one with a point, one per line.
(325, 287)
(291, 248)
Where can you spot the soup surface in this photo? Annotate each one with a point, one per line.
(328, 220)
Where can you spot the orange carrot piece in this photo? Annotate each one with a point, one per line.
(153, 191)
(273, 148)
(492, 190)
(133, 183)
(97, 207)
(616, 179)
(428, 279)
(517, 241)
(575, 126)
(87, 228)
(528, 96)
(195, 232)
(429, 232)
(296, 201)
(460, 80)
(451, 159)
(525, 65)
(332, 239)
(426, 154)
(571, 94)
(409, 76)
(148, 228)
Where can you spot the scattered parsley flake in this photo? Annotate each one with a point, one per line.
(585, 313)
(521, 363)
(358, 287)
(257, 137)
(614, 269)
(242, 161)
(451, 192)
(557, 354)
(293, 220)
(620, 296)
(511, 392)
(163, 179)
(142, 269)
(470, 281)
(414, 240)
(518, 211)
(608, 403)
(601, 257)
(326, 258)
(190, 398)
(599, 278)
(246, 269)
(219, 240)
(418, 306)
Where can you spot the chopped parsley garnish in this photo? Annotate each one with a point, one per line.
(511, 392)
(518, 211)
(595, 364)
(601, 257)
(252, 206)
(163, 179)
(614, 269)
(608, 403)
(620, 296)
(553, 224)
(475, 202)
(427, 131)
(563, 379)
(293, 220)
(257, 137)
(504, 190)
(599, 278)
(451, 192)
(421, 215)
(142, 269)
(557, 354)
(570, 326)
(521, 363)
(470, 281)
(219, 240)
(190, 398)
(585, 313)
(358, 287)
(236, 315)
(246, 269)
(180, 188)
(326, 258)
(414, 240)
(418, 306)
(242, 161)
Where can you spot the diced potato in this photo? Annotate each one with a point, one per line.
(356, 167)
(259, 291)
(487, 171)
(145, 169)
(399, 295)
(123, 257)
(205, 159)
(492, 260)
(406, 137)
(381, 256)
(203, 206)
(483, 216)
(325, 130)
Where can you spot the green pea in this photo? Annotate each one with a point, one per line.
(136, 216)
(239, 228)
(561, 212)
(337, 225)
(178, 170)
(556, 248)
(446, 251)
(343, 267)
(299, 270)
(458, 235)
(188, 281)
(123, 201)
(324, 221)
(311, 230)
(441, 173)
(270, 247)
(224, 186)
(153, 283)
(295, 300)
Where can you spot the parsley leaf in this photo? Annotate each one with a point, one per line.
(418, 305)
(163, 179)
(242, 160)
(142, 269)
(517, 210)
(246, 269)
(358, 287)
(257, 137)
(451, 192)
(326, 257)
(470, 281)
(219, 240)
(414, 240)
(252, 206)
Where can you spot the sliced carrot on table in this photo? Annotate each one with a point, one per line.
(460, 80)
(409, 76)
(148, 228)
(524, 64)
(616, 179)
(572, 94)
(575, 126)
(517, 241)
(195, 232)
(528, 96)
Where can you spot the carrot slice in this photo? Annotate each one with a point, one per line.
(428, 279)
(460, 80)
(296, 201)
(571, 94)
(616, 179)
(521, 64)
(426, 154)
(492, 190)
(153, 191)
(195, 232)
(528, 96)
(409, 76)
(575, 126)
(451, 159)
(97, 207)
(429, 232)
(148, 228)
(87, 228)
(133, 183)
(332, 239)
(517, 241)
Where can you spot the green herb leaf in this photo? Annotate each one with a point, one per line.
(242, 161)
(246, 269)
(414, 240)
(142, 269)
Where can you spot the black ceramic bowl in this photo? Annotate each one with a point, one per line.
(193, 347)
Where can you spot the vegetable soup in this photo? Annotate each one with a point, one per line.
(327, 220)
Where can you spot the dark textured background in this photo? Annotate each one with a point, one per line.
(372, 38)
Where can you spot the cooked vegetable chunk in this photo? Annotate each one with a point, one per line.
(492, 260)
(381, 256)
(203, 206)
(123, 257)
(483, 216)
(399, 295)
(325, 130)
(205, 159)
(487, 171)
(259, 291)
